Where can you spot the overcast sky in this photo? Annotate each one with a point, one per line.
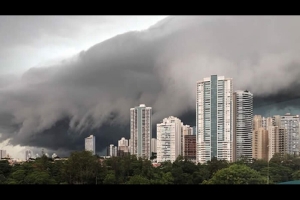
(39, 41)
(32, 41)
(80, 75)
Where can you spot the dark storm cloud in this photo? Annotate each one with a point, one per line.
(25, 29)
(58, 106)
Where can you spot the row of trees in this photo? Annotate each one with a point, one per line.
(84, 168)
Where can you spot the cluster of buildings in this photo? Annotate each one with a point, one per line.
(170, 131)
(30, 156)
(276, 134)
(173, 138)
(120, 150)
(5, 156)
(225, 129)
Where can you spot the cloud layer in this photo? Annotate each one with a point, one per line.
(56, 107)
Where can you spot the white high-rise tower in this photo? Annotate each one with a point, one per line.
(90, 144)
(141, 131)
(169, 139)
(214, 122)
(291, 123)
(28, 154)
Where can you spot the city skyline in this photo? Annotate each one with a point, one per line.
(68, 77)
(271, 135)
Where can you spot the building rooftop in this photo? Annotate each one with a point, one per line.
(242, 91)
(209, 78)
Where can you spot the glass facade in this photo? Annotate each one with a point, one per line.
(214, 116)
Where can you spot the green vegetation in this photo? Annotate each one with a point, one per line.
(237, 174)
(84, 168)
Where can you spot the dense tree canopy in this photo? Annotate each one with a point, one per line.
(84, 168)
(237, 174)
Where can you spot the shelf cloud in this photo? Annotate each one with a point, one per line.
(57, 106)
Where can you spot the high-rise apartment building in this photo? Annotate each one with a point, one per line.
(276, 120)
(267, 121)
(265, 137)
(122, 151)
(273, 140)
(123, 142)
(116, 151)
(2, 154)
(141, 131)
(277, 137)
(169, 139)
(257, 122)
(112, 150)
(28, 154)
(153, 145)
(194, 130)
(123, 147)
(242, 124)
(129, 145)
(214, 122)
(185, 130)
(291, 124)
(260, 143)
(190, 147)
(282, 149)
(90, 144)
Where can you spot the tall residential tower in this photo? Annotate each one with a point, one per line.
(141, 131)
(90, 144)
(214, 121)
(291, 124)
(242, 124)
(153, 145)
(123, 147)
(169, 139)
(2, 154)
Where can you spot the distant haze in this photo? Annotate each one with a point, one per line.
(55, 107)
